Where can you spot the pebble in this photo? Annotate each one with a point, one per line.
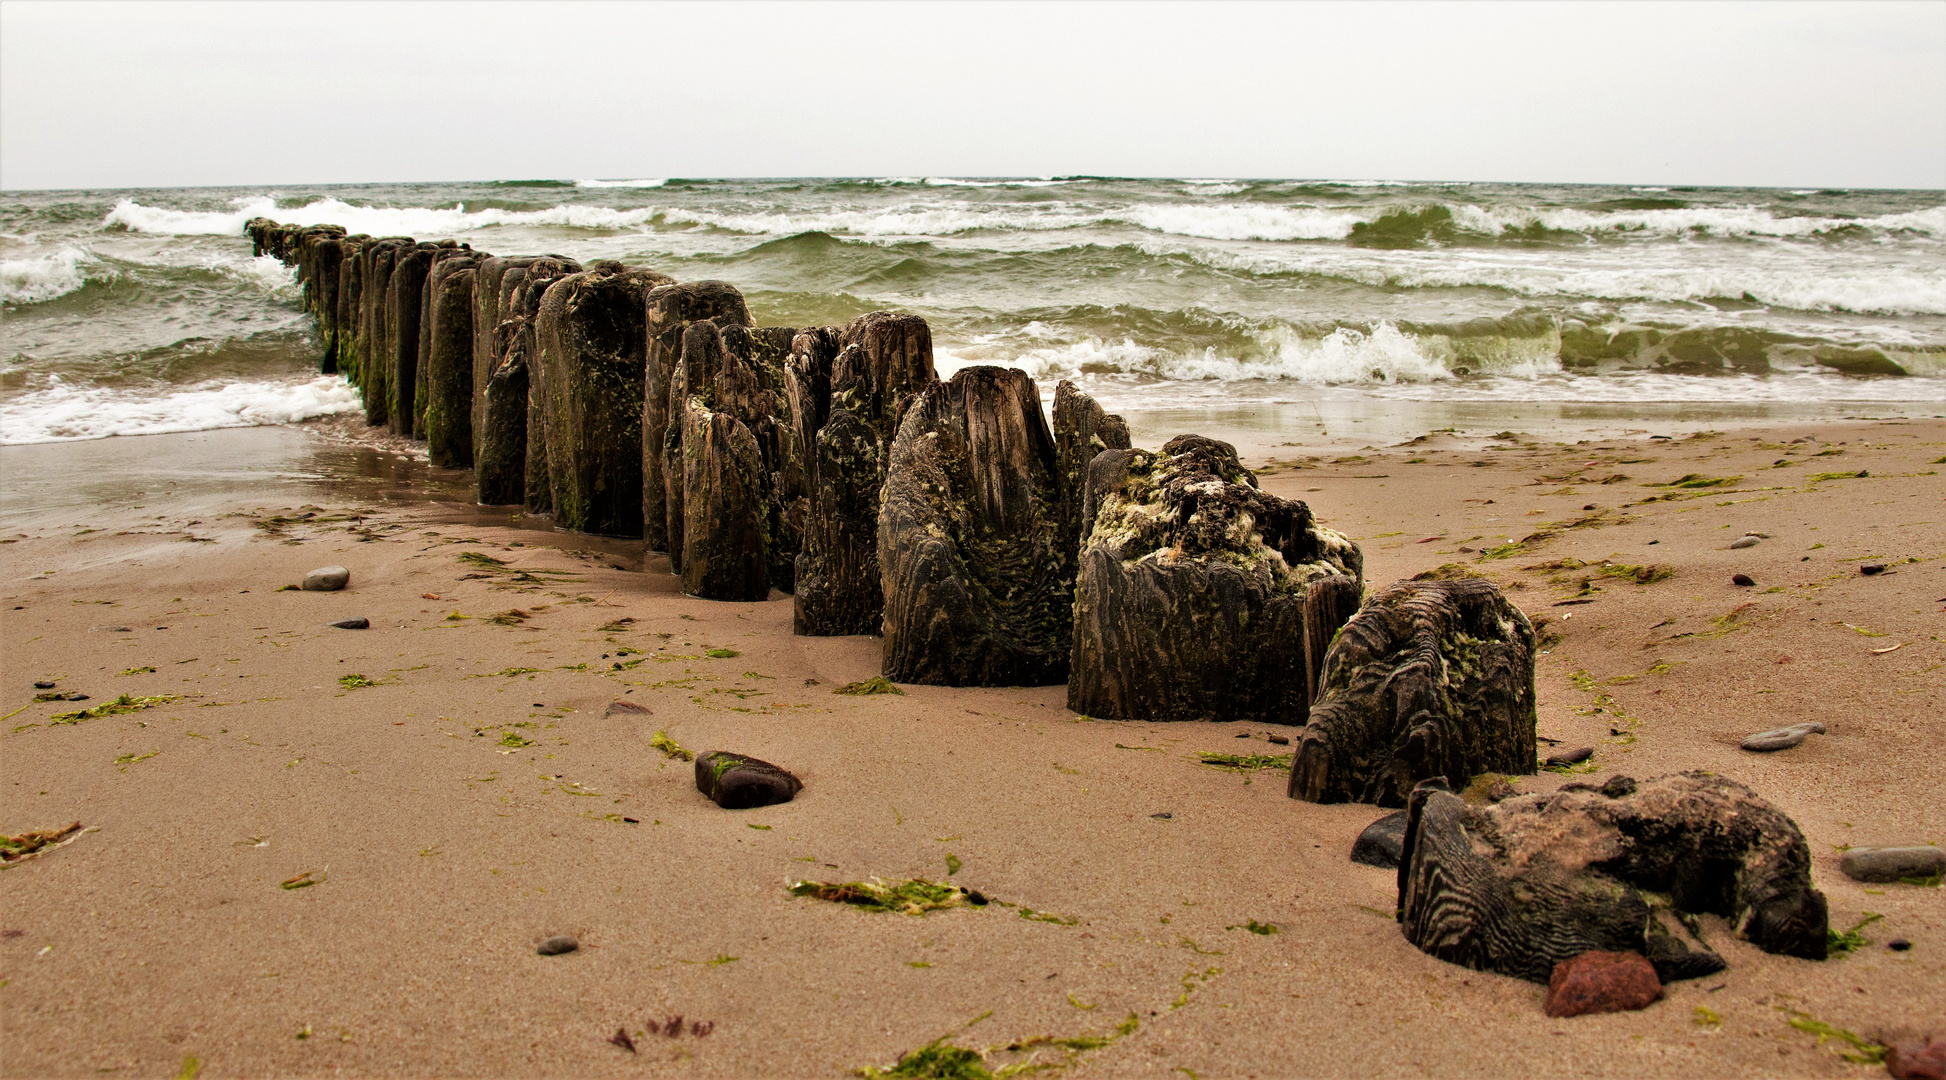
(1744, 542)
(1382, 843)
(353, 624)
(1892, 863)
(1164, 816)
(1279, 740)
(1871, 568)
(1898, 944)
(743, 782)
(558, 944)
(1599, 982)
(1782, 738)
(1742, 579)
(1572, 757)
(326, 579)
(44, 685)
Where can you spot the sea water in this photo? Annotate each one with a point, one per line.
(1254, 308)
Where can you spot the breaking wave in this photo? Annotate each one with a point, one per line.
(33, 281)
(65, 411)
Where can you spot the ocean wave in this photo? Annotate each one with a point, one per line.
(36, 280)
(68, 411)
(419, 221)
(1382, 354)
(1242, 222)
(1679, 221)
(656, 183)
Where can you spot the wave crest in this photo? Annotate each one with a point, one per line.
(40, 279)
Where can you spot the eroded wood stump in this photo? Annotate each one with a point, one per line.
(516, 384)
(406, 309)
(449, 363)
(1521, 885)
(591, 348)
(670, 311)
(1429, 678)
(1190, 598)
(1081, 430)
(376, 361)
(726, 457)
(849, 388)
(488, 349)
(978, 577)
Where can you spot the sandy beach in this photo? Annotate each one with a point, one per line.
(458, 785)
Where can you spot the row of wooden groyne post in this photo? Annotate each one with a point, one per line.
(831, 462)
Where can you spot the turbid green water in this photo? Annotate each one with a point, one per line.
(1270, 307)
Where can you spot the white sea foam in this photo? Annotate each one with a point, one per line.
(1382, 354)
(621, 183)
(1715, 220)
(135, 217)
(65, 411)
(1242, 222)
(32, 281)
(418, 221)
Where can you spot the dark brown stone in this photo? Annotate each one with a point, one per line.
(737, 782)
(851, 388)
(1602, 982)
(1429, 678)
(978, 578)
(1191, 592)
(1521, 885)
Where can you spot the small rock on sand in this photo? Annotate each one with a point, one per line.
(558, 944)
(1898, 944)
(360, 623)
(1382, 842)
(1744, 542)
(1871, 568)
(1918, 1060)
(1892, 863)
(1571, 757)
(626, 708)
(1782, 738)
(736, 782)
(326, 579)
(1744, 580)
(44, 684)
(1599, 982)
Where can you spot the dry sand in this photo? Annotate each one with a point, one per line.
(473, 801)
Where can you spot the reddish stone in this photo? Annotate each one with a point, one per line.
(1598, 982)
(1918, 1060)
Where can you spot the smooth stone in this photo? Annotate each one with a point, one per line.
(1898, 944)
(1382, 842)
(1892, 863)
(1572, 757)
(43, 685)
(1871, 568)
(353, 624)
(737, 782)
(1782, 738)
(1743, 542)
(1600, 982)
(558, 944)
(326, 579)
(1744, 580)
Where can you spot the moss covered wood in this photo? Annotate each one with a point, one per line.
(405, 308)
(1190, 597)
(978, 577)
(1518, 886)
(669, 312)
(449, 364)
(849, 390)
(1429, 678)
(592, 343)
(1082, 429)
(523, 442)
(488, 300)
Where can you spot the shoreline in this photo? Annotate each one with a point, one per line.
(447, 850)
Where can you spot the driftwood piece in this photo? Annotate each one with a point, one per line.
(1190, 598)
(592, 341)
(670, 311)
(1430, 678)
(1526, 883)
(1081, 430)
(978, 580)
(851, 387)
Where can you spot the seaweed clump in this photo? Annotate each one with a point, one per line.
(916, 896)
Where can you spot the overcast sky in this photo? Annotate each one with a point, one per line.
(1773, 94)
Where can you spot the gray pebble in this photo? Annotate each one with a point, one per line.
(44, 684)
(1871, 568)
(1892, 863)
(353, 624)
(326, 579)
(1744, 542)
(1382, 843)
(558, 944)
(1782, 738)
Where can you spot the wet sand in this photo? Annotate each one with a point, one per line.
(475, 798)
